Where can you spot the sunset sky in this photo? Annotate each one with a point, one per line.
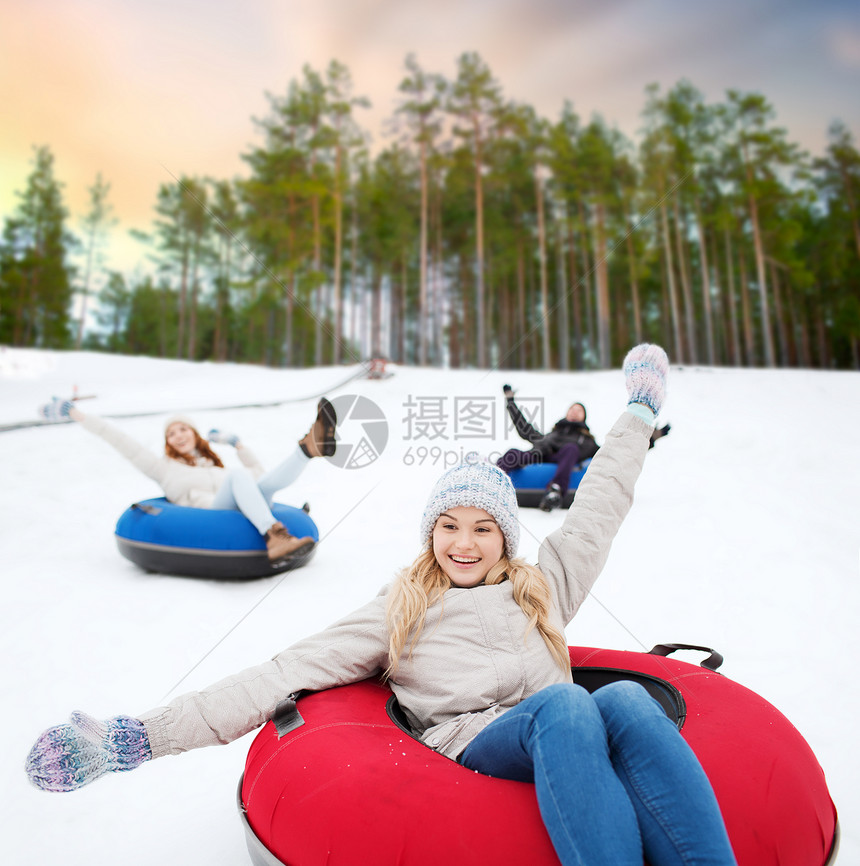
(146, 91)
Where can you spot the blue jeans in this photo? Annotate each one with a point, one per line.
(613, 776)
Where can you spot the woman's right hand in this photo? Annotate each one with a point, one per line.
(57, 410)
(67, 757)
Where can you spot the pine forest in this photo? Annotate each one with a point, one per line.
(479, 234)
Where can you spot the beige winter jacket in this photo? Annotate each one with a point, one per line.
(473, 660)
(194, 486)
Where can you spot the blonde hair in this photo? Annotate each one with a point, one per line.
(424, 583)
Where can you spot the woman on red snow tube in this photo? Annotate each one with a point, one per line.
(471, 641)
(353, 784)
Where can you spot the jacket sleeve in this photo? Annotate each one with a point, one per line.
(524, 428)
(150, 464)
(352, 649)
(573, 556)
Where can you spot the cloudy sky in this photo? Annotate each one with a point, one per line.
(145, 91)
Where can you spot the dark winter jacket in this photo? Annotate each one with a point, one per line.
(549, 444)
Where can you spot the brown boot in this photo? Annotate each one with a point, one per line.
(319, 441)
(280, 544)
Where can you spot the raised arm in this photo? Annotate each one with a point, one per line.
(59, 410)
(573, 556)
(142, 458)
(524, 428)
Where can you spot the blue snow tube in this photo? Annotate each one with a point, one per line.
(199, 542)
(531, 482)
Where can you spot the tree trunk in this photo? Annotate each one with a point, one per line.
(674, 313)
(289, 328)
(686, 291)
(634, 289)
(758, 245)
(479, 250)
(621, 321)
(355, 334)
(563, 314)
(162, 324)
(588, 329)
(746, 313)
(719, 310)
(195, 291)
(440, 311)
(706, 285)
(821, 337)
(376, 317)
(337, 335)
(544, 287)
(576, 291)
(521, 305)
(401, 305)
(781, 335)
(731, 300)
(317, 297)
(183, 302)
(602, 286)
(422, 263)
(798, 330)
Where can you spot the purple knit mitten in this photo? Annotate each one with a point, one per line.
(645, 369)
(67, 757)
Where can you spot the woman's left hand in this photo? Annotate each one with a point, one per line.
(222, 437)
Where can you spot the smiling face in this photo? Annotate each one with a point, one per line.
(467, 543)
(181, 437)
(576, 413)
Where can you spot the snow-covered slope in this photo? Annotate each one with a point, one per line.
(744, 536)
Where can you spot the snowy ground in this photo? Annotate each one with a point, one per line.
(745, 537)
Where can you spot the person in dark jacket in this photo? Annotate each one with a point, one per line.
(568, 443)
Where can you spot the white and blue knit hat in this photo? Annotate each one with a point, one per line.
(479, 485)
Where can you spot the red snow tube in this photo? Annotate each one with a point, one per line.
(350, 785)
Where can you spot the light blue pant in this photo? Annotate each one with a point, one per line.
(613, 777)
(240, 491)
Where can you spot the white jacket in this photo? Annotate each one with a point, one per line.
(194, 486)
(473, 661)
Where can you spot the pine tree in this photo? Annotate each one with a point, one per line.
(475, 99)
(35, 278)
(421, 109)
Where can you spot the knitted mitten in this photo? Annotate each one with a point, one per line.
(223, 437)
(645, 370)
(67, 757)
(57, 410)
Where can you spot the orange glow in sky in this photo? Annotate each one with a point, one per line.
(146, 92)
